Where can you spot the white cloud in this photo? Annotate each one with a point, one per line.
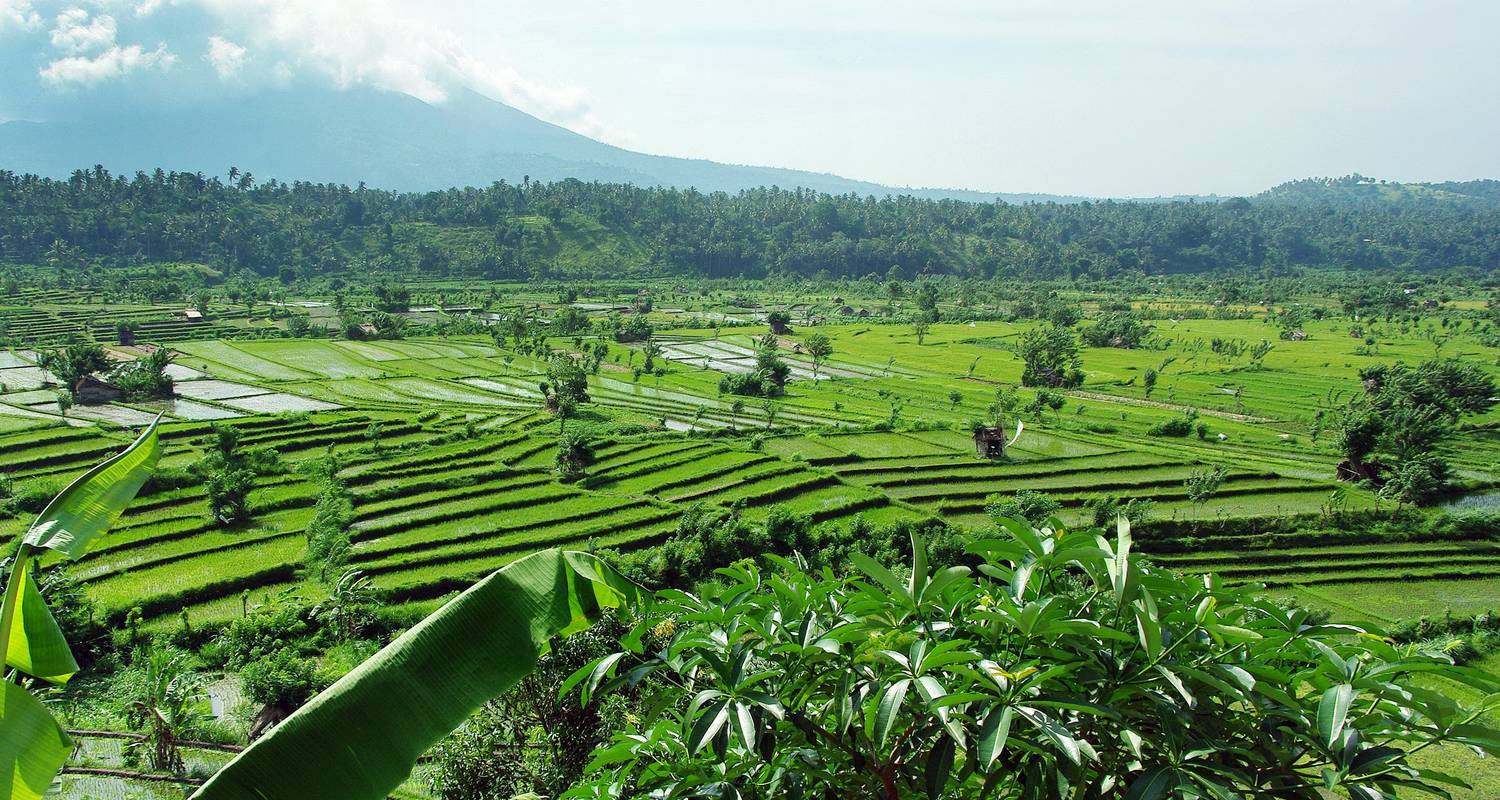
(114, 62)
(391, 45)
(146, 8)
(19, 13)
(226, 57)
(77, 33)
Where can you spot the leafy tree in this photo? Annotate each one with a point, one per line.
(229, 476)
(1106, 510)
(574, 455)
(634, 329)
(1117, 330)
(768, 379)
(165, 690)
(1065, 667)
(926, 299)
(819, 347)
(1148, 381)
(73, 362)
(1416, 480)
(1259, 352)
(569, 320)
(920, 326)
(228, 488)
(1049, 355)
(1044, 400)
(1203, 484)
(392, 299)
(284, 680)
(780, 321)
(328, 542)
(349, 607)
(566, 387)
(1405, 413)
(145, 378)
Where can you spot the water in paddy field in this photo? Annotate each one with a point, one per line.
(1488, 500)
(90, 787)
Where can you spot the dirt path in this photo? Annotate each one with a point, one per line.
(1136, 401)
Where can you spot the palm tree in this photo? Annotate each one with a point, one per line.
(164, 704)
(347, 605)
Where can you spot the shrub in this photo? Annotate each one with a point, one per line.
(1179, 426)
(1025, 505)
(253, 637)
(1064, 668)
(284, 678)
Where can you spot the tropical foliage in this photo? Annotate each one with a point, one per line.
(1060, 666)
(32, 744)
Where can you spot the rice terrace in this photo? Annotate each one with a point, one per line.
(441, 454)
(600, 401)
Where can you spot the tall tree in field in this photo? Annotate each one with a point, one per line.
(1050, 358)
(819, 347)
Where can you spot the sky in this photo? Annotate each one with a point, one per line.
(1121, 99)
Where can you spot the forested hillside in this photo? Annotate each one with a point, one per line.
(537, 230)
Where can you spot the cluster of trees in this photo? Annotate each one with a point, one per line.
(769, 377)
(144, 378)
(1389, 435)
(228, 472)
(299, 229)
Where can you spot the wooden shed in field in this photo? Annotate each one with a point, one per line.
(90, 390)
(989, 442)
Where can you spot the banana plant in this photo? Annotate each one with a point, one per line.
(33, 746)
(359, 739)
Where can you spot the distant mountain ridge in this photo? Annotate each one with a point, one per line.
(391, 141)
(1359, 190)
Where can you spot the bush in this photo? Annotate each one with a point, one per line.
(256, 636)
(1180, 426)
(1025, 506)
(1051, 666)
(284, 678)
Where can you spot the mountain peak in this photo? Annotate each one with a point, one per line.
(387, 140)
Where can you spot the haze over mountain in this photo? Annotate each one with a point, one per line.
(386, 140)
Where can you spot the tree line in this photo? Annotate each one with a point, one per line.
(570, 228)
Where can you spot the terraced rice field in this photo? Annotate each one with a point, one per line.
(448, 456)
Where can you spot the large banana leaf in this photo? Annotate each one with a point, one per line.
(37, 646)
(33, 746)
(92, 503)
(359, 739)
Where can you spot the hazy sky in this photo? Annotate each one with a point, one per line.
(1099, 98)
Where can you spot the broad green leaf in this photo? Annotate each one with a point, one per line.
(708, 725)
(874, 569)
(37, 646)
(1152, 784)
(92, 503)
(359, 739)
(939, 767)
(1333, 712)
(33, 746)
(992, 735)
(744, 725)
(888, 708)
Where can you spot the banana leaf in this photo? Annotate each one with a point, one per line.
(91, 504)
(359, 739)
(33, 746)
(37, 646)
